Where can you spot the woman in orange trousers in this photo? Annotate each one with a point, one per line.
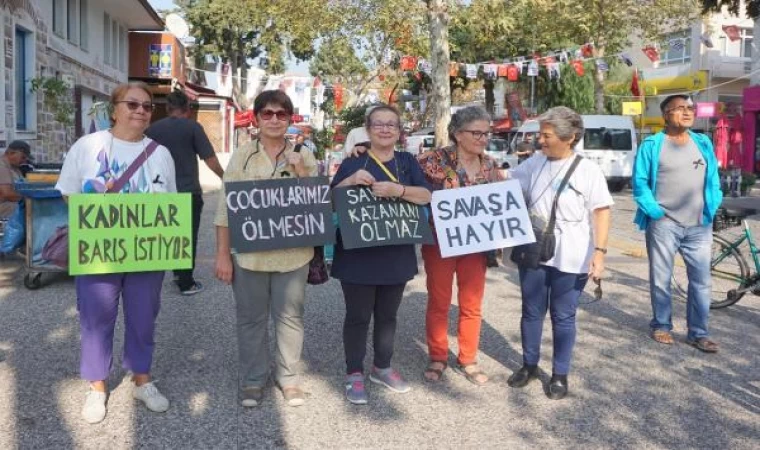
(462, 164)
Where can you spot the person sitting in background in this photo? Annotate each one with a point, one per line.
(15, 155)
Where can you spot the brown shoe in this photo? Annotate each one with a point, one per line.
(294, 395)
(663, 337)
(703, 344)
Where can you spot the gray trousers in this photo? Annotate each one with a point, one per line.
(256, 294)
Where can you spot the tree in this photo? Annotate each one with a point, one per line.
(610, 24)
(354, 49)
(438, 23)
(237, 32)
(733, 6)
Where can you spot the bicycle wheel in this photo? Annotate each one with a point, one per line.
(729, 272)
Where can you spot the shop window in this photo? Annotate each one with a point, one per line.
(676, 48)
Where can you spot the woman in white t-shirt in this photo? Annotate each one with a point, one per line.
(93, 165)
(581, 229)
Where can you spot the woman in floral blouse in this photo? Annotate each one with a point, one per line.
(462, 164)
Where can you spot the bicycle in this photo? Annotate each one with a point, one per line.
(731, 274)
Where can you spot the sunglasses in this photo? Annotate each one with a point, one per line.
(132, 105)
(267, 114)
(598, 290)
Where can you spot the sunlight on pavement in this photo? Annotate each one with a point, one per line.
(199, 403)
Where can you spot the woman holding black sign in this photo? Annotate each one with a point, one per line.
(265, 281)
(462, 164)
(119, 160)
(581, 226)
(373, 279)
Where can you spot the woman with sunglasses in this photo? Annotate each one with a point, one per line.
(373, 279)
(272, 280)
(93, 165)
(462, 164)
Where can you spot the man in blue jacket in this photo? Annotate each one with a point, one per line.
(677, 189)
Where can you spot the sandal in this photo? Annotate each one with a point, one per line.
(474, 375)
(662, 336)
(434, 375)
(703, 344)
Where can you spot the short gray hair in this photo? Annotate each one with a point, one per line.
(466, 116)
(567, 123)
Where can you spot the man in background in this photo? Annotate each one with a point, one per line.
(187, 141)
(17, 153)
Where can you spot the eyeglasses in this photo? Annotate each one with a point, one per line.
(478, 135)
(682, 109)
(267, 114)
(598, 289)
(384, 125)
(132, 105)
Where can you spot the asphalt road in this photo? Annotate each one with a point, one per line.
(626, 390)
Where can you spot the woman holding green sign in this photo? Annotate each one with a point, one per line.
(120, 160)
(373, 279)
(272, 280)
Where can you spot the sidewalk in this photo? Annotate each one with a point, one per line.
(626, 390)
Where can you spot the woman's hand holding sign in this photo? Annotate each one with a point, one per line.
(363, 178)
(296, 160)
(387, 189)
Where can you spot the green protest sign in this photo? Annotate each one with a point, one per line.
(129, 233)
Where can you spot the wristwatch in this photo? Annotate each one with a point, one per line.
(601, 249)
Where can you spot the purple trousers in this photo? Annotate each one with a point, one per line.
(98, 303)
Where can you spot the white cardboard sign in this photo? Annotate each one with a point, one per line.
(481, 218)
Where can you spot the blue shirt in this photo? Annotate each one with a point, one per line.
(644, 180)
(392, 264)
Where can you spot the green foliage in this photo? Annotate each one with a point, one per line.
(570, 90)
(57, 97)
(237, 31)
(361, 32)
(323, 139)
(352, 116)
(733, 6)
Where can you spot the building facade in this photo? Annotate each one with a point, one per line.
(77, 51)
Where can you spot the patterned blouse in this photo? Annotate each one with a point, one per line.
(443, 172)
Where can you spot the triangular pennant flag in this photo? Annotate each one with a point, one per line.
(626, 59)
(635, 84)
(733, 32)
(533, 69)
(472, 71)
(651, 53)
(578, 66)
(513, 72)
(587, 50)
(705, 38)
(676, 44)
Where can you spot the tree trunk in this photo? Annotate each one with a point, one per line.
(599, 82)
(438, 21)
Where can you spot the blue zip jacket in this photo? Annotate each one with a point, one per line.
(645, 179)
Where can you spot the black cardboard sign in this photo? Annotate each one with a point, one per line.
(277, 214)
(369, 221)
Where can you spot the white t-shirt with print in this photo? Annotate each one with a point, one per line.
(585, 192)
(98, 158)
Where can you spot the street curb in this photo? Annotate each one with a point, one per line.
(628, 248)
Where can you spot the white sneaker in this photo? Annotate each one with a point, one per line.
(148, 394)
(94, 409)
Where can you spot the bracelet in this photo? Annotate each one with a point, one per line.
(601, 249)
(403, 191)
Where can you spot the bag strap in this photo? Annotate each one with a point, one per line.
(136, 164)
(565, 180)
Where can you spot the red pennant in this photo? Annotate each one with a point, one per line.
(733, 32)
(587, 51)
(502, 70)
(408, 63)
(651, 53)
(578, 66)
(513, 73)
(635, 84)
